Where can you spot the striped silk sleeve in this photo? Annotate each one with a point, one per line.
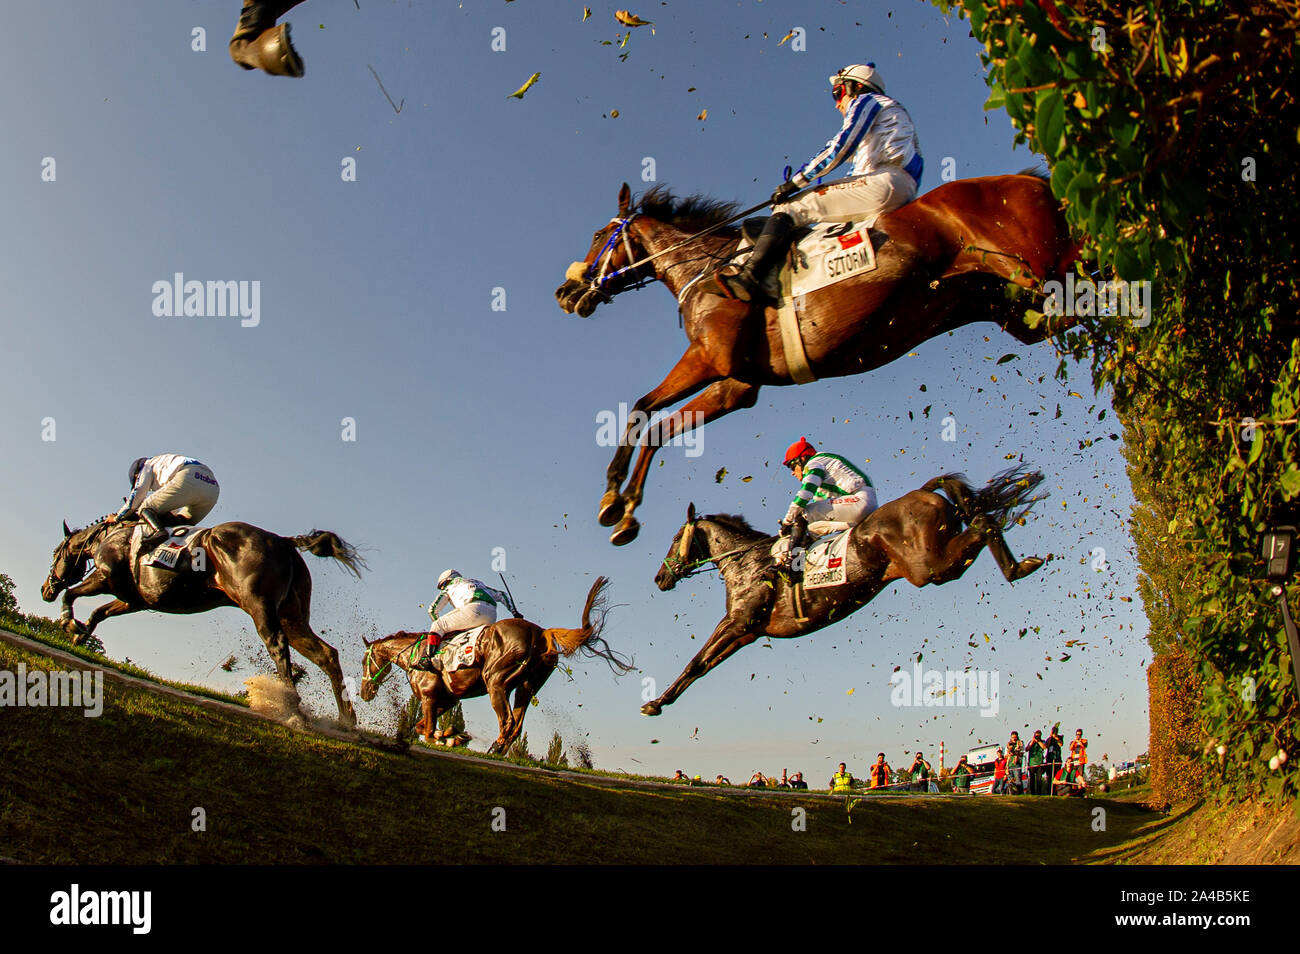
(857, 120)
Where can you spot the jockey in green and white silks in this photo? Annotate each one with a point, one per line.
(833, 493)
(169, 490)
(467, 603)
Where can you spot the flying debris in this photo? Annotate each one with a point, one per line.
(519, 93)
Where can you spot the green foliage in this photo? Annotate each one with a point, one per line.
(519, 749)
(1171, 127)
(453, 720)
(8, 603)
(555, 751)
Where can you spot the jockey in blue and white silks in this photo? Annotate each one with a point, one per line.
(468, 603)
(878, 134)
(168, 490)
(833, 493)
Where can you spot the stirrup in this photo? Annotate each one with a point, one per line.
(733, 284)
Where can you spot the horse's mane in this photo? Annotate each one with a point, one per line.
(737, 524)
(1038, 172)
(692, 213)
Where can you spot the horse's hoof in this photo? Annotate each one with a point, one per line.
(626, 532)
(272, 52)
(611, 509)
(1027, 566)
(494, 748)
(651, 709)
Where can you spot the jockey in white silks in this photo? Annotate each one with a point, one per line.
(468, 603)
(833, 493)
(168, 490)
(885, 173)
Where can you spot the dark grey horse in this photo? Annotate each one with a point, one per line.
(231, 564)
(920, 537)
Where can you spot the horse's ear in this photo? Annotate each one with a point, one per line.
(366, 641)
(66, 532)
(690, 512)
(624, 200)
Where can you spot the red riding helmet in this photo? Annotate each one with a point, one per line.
(798, 450)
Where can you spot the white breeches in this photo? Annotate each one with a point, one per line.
(190, 494)
(467, 617)
(839, 513)
(851, 200)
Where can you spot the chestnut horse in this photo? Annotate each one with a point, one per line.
(514, 655)
(241, 565)
(919, 538)
(943, 261)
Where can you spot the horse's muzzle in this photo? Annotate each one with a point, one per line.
(665, 580)
(49, 591)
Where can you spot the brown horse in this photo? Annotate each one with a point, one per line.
(240, 565)
(919, 538)
(514, 655)
(944, 261)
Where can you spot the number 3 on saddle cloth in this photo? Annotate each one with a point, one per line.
(452, 654)
(823, 564)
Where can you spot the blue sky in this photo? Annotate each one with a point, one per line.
(476, 428)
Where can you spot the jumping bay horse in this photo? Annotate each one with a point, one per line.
(514, 655)
(943, 261)
(919, 537)
(260, 572)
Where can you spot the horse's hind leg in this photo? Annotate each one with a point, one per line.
(1011, 569)
(294, 616)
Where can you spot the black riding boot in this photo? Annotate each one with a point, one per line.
(157, 532)
(747, 284)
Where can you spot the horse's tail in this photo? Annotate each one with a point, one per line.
(588, 638)
(1009, 496)
(326, 543)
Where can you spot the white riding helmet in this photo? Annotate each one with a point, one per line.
(136, 466)
(863, 73)
(446, 577)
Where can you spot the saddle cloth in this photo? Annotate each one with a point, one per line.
(825, 253)
(165, 553)
(461, 650)
(825, 563)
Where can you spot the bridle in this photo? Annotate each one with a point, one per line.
(598, 281)
(379, 675)
(680, 564)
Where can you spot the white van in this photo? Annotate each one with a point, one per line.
(981, 760)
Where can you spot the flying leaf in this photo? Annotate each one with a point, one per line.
(786, 37)
(745, 480)
(613, 114)
(1007, 357)
(850, 692)
(586, 12)
(519, 93)
(722, 472)
(704, 114)
(628, 18)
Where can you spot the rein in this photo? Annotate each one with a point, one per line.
(683, 568)
(378, 675)
(598, 282)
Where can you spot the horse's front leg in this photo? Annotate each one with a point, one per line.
(101, 613)
(688, 375)
(719, 399)
(93, 585)
(730, 635)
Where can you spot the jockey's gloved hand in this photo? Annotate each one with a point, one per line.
(786, 529)
(784, 191)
